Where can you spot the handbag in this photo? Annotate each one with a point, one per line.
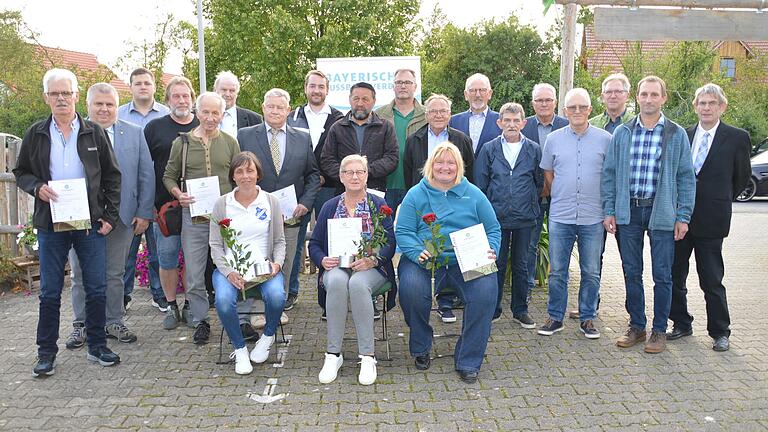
(169, 216)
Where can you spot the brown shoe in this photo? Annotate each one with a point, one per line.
(574, 314)
(631, 337)
(656, 343)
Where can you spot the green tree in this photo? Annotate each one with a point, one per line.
(273, 43)
(512, 55)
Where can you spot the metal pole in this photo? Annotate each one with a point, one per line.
(201, 44)
(568, 56)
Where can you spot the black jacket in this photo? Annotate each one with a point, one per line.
(723, 176)
(379, 146)
(415, 154)
(298, 119)
(246, 117)
(101, 171)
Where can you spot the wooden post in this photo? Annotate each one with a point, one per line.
(568, 57)
(4, 209)
(13, 202)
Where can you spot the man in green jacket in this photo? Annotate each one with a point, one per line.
(615, 94)
(408, 116)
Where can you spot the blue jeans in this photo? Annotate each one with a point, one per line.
(167, 249)
(517, 240)
(394, 197)
(533, 247)
(415, 299)
(590, 242)
(91, 249)
(293, 281)
(662, 256)
(272, 292)
(130, 265)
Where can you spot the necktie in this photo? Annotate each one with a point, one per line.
(701, 156)
(275, 149)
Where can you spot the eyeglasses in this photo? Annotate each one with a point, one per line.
(350, 173)
(404, 83)
(444, 112)
(577, 108)
(476, 91)
(65, 94)
(614, 92)
(543, 101)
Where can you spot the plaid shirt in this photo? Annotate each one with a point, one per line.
(645, 157)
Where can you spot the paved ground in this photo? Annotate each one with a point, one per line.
(528, 382)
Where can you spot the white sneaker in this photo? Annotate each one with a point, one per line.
(330, 368)
(260, 352)
(242, 362)
(367, 370)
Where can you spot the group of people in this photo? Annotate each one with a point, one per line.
(404, 166)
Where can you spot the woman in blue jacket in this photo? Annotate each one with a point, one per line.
(457, 204)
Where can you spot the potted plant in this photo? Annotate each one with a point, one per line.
(27, 238)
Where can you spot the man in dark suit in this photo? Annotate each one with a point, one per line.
(288, 161)
(235, 118)
(536, 129)
(721, 160)
(479, 121)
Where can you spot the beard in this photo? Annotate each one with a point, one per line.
(181, 112)
(361, 114)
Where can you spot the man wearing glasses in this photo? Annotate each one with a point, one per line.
(615, 94)
(537, 128)
(479, 121)
(573, 163)
(67, 147)
(407, 114)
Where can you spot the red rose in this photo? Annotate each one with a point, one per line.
(429, 218)
(385, 210)
(225, 222)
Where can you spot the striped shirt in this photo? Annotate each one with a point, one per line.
(645, 159)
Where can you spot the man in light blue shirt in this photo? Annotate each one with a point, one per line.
(572, 161)
(140, 111)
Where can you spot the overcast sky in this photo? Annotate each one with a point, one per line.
(105, 28)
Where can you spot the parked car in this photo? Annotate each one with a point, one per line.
(763, 146)
(758, 182)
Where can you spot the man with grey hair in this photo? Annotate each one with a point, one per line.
(537, 127)
(479, 122)
(507, 171)
(66, 147)
(572, 161)
(614, 95)
(235, 118)
(408, 116)
(288, 161)
(721, 160)
(137, 195)
(209, 154)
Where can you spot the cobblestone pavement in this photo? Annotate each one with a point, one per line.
(528, 382)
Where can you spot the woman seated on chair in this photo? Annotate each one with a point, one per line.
(257, 215)
(352, 285)
(445, 193)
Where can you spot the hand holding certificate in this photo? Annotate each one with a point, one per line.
(70, 211)
(472, 252)
(288, 203)
(205, 191)
(344, 236)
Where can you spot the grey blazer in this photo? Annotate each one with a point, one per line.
(299, 164)
(137, 184)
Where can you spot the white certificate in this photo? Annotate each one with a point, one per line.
(205, 191)
(288, 203)
(344, 236)
(71, 205)
(376, 192)
(471, 247)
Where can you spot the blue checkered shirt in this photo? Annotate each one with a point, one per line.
(645, 159)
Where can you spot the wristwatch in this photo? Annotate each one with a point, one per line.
(375, 260)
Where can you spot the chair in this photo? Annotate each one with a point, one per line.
(384, 291)
(254, 294)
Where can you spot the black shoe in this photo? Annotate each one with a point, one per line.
(376, 312)
(103, 355)
(127, 302)
(679, 332)
(160, 303)
(721, 344)
(324, 317)
(468, 377)
(423, 362)
(211, 300)
(457, 303)
(525, 321)
(44, 366)
(202, 333)
(291, 301)
(249, 333)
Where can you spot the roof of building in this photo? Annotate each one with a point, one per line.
(82, 62)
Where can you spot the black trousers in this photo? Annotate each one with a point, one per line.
(709, 265)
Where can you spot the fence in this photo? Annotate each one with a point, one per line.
(14, 205)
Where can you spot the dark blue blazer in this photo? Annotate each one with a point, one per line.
(318, 248)
(531, 129)
(490, 130)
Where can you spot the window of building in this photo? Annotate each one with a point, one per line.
(728, 67)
